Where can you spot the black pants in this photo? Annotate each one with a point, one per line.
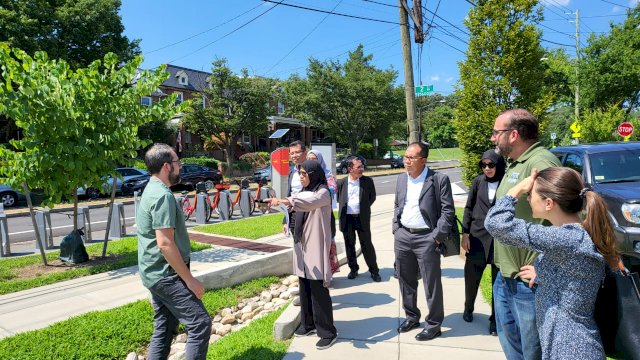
(316, 309)
(417, 254)
(474, 267)
(354, 224)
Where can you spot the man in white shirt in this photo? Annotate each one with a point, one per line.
(356, 194)
(298, 154)
(423, 216)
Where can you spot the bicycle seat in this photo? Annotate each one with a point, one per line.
(184, 192)
(201, 187)
(222, 186)
(244, 184)
(263, 181)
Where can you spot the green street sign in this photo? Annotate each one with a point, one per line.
(424, 90)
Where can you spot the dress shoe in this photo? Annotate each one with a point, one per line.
(492, 329)
(428, 334)
(376, 277)
(407, 325)
(352, 275)
(467, 316)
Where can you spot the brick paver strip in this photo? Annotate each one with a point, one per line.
(239, 244)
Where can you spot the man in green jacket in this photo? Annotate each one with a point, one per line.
(515, 134)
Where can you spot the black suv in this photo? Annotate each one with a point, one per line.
(341, 164)
(191, 174)
(613, 171)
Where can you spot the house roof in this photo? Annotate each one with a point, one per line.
(197, 80)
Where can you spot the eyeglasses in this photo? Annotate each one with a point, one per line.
(495, 132)
(411, 158)
(176, 161)
(295, 152)
(489, 165)
(304, 173)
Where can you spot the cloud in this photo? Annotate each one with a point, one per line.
(435, 78)
(633, 3)
(448, 80)
(556, 2)
(617, 9)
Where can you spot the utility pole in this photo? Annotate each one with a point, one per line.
(577, 92)
(413, 124)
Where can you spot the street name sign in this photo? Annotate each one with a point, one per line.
(424, 90)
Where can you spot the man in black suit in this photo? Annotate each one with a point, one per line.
(356, 194)
(422, 218)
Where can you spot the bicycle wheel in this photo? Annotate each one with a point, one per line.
(186, 208)
(252, 203)
(207, 211)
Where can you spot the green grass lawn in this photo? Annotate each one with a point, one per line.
(15, 277)
(445, 154)
(112, 334)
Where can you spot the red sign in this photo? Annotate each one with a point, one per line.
(280, 161)
(625, 129)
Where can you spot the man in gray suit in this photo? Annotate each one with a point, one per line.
(423, 216)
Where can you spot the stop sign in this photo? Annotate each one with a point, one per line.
(625, 129)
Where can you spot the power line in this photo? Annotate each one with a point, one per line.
(553, 42)
(202, 32)
(334, 13)
(588, 17)
(229, 33)
(612, 3)
(445, 20)
(449, 45)
(304, 38)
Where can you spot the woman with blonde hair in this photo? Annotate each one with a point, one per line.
(572, 260)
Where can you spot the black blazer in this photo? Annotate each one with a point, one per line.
(367, 198)
(476, 210)
(439, 217)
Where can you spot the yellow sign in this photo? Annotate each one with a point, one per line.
(575, 135)
(575, 127)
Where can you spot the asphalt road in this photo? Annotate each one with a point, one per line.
(22, 235)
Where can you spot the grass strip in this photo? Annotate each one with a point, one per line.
(124, 252)
(250, 228)
(254, 342)
(112, 334)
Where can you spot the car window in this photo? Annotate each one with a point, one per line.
(128, 172)
(574, 161)
(615, 165)
(559, 156)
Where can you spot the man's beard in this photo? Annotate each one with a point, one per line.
(504, 149)
(173, 177)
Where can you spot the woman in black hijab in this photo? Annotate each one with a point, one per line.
(476, 241)
(312, 235)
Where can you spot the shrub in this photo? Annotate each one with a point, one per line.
(201, 160)
(366, 150)
(256, 159)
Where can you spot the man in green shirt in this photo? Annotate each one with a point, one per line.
(163, 260)
(515, 134)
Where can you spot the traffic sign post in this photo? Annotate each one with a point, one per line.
(625, 130)
(424, 90)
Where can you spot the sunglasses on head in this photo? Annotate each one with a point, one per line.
(489, 165)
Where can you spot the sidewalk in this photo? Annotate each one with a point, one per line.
(367, 314)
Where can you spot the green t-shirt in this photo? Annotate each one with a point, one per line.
(509, 258)
(158, 210)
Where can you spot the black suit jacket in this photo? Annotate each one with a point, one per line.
(367, 198)
(439, 217)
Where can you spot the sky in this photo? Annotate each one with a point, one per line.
(273, 39)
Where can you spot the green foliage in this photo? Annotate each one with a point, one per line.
(157, 131)
(78, 31)
(256, 159)
(560, 118)
(438, 126)
(609, 66)
(235, 105)
(502, 70)
(201, 160)
(250, 228)
(121, 330)
(77, 125)
(599, 125)
(123, 252)
(350, 101)
(366, 150)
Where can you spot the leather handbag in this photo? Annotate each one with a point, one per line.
(617, 313)
(451, 245)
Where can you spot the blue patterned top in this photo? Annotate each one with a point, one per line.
(569, 272)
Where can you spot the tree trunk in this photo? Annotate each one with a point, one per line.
(230, 152)
(75, 210)
(106, 233)
(33, 222)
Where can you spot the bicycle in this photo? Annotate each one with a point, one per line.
(188, 209)
(270, 193)
(216, 199)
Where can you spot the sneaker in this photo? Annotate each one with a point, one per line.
(376, 277)
(326, 343)
(301, 331)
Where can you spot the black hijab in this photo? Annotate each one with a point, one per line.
(496, 159)
(317, 181)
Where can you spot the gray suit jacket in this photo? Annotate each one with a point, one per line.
(439, 217)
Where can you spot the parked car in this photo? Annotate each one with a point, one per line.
(613, 170)
(263, 172)
(10, 197)
(341, 164)
(396, 161)
(137, 183)
(125, 172)
(191, 174)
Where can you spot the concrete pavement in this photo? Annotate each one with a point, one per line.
(367, 314)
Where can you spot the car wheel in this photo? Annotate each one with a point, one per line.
(344, 170)
(8, 199)
(92, 193)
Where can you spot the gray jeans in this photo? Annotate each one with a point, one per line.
(174, 303)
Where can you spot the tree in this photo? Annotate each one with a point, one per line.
(77, 125)
(234, 105)
(350, 101)
(78, 31)
(439, 128)
(609, 67)
(502, 70)
(602, 125)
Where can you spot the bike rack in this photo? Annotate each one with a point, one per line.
(224, 203)
(118, 228)
(43, 223)
(5, 244)
(84, 222)
(245, 202)
(136, 204)
(201, 211)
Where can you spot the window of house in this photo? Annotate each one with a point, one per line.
(179, 98)
(146, 101)
(183, 79)
(280, 108)
(204, 101)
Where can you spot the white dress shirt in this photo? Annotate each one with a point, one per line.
(296, 185)
(353, 190)
(411, 216)
(493, 186)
